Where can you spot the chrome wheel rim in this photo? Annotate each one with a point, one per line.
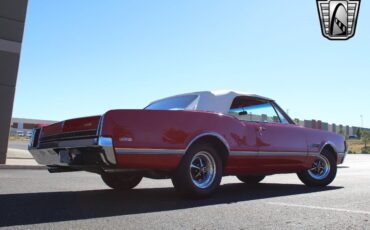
(320, 168)
(202, 169)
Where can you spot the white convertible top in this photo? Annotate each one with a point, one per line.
(215, 101)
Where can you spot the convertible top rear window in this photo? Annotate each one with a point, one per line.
(173, 103)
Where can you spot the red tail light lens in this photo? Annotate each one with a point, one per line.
(35, 137)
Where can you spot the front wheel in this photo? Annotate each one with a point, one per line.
(323, 171)
(121, 181)
(199, 173)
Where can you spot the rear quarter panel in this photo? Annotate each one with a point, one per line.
(169, 130)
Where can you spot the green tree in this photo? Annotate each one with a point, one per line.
(358, 133)
(366, 138)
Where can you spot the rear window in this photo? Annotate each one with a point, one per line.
(174, 103)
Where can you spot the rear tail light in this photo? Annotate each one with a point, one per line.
(35, 137)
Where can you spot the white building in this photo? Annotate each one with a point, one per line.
(23, 126)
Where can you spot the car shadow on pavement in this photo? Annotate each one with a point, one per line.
(343, 167)
(35, 208)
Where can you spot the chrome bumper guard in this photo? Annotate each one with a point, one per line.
(97, 151)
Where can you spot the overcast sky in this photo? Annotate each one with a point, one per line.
(86, 57)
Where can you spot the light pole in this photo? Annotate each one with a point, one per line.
(362, 121)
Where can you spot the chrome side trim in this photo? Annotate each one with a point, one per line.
(149, 151)
(182, 152)
(266, 154)
(221, 138)
(313, 154)
(282, 154)
(243, 153)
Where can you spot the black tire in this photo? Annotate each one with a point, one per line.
(310, 180)
(251, 179)
(121, 181)
(187, 181)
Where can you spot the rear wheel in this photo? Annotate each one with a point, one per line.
(251, 179)
(323, 171)
(121, 181)
(200, 172)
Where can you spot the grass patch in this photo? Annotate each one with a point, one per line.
(357, 146)
(18, 138)
(366, 150)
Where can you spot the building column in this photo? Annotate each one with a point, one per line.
(12, 19)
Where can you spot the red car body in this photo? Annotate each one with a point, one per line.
(156, 141)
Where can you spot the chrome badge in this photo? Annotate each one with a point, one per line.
(126, 139)
(338, 18)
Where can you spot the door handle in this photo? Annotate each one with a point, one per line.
(261, 129)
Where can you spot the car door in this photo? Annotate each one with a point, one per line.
(281, 144)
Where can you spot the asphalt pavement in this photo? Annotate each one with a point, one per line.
(35, 199)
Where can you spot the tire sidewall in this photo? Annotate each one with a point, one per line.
(186, 186)
(309, 180)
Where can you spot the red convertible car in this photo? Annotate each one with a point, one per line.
(194, 139)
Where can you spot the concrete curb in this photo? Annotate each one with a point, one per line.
(28, 167)
(20, 158)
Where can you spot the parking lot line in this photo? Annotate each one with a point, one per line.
(320, 208)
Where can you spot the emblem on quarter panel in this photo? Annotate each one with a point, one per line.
(338, 18)
(126, 139)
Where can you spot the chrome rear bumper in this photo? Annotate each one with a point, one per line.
(97, 151)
